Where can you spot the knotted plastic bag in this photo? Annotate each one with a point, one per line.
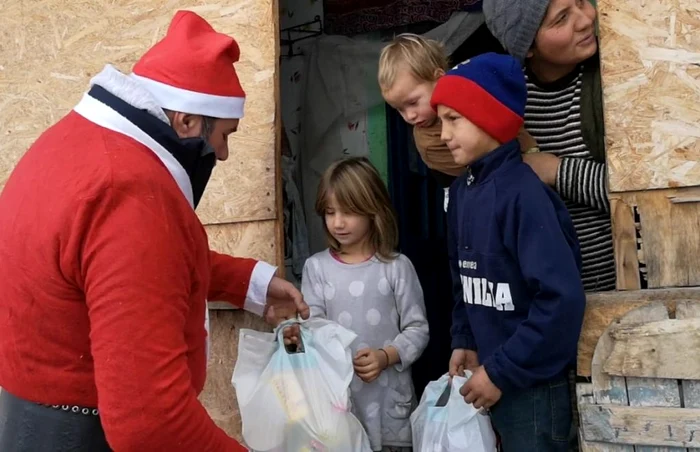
(444, 422)
(292, 401)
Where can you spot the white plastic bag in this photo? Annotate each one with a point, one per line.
(444, 422)
(292, 402)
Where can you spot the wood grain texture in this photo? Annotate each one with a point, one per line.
(628, 413)
(606, 307)
(665, 427)
(655, 349)
(625, 245)
(650, 52)
(257, 240)
(218, 396)
(691, 389)
(51, 49)
(670, 243)
(649, 392)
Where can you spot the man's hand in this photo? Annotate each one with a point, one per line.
(370, 363)
(479, 390)
(284, 302)
(463, 359)
(545, 165)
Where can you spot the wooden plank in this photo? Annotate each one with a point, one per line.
(584, 396)
(664, 427)
(607, 389)
(257, 240)
(650, 54)
(669, 221)
(605, 307)
(655, 349)
(625, 244)
(691, 389)
(219, 397)
(648, 392)
(52, 48)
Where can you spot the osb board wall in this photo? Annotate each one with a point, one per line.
(240, 239)
(50, 49)
(656, 237)
(650, 54)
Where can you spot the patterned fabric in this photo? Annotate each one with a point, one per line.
(553, 118)
(348, 17)
(382, 302)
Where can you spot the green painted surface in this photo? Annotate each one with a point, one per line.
(377, 140)
(376, 128)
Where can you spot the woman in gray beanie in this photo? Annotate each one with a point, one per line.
(556, 41)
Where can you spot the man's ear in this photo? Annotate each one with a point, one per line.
(186, 125)
(439, 72)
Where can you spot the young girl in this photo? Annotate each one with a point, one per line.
(362, 283)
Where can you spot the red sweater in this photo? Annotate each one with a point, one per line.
(105, 271)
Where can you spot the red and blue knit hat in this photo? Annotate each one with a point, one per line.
(489, 90)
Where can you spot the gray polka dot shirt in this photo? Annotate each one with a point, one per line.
(382, 302)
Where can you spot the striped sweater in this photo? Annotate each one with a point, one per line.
(553, 118)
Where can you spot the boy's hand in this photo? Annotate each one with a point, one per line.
(463, 359)
(479, 390)
(369, 363)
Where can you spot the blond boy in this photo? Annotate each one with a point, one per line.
(409, 68)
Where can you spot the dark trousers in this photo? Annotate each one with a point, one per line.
(28, 427)
(536, 419)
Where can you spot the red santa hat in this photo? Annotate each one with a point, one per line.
(191, 70)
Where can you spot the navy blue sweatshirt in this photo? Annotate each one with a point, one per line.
(515, 265)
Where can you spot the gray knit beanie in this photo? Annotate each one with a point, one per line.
(515, 23)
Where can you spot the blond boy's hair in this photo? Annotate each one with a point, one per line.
(424, 58)
(357, 187)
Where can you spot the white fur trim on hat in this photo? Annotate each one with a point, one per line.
(192, 102)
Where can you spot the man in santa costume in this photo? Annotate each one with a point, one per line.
(106, 268)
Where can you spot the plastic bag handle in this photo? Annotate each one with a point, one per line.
(280, 329)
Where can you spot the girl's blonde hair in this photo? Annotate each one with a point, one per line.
(425, 58)
(359, 189)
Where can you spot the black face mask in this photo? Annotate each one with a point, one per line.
(195, 155)
(198, 159)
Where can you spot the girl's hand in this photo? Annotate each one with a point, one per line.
(369, 363)
(480, 391)
(463, 359)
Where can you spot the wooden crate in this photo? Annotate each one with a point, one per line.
(645, 390)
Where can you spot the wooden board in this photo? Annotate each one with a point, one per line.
(218, 396)
(691, 389)
(651, 349)
(627, 255)
(665, 427)
(669, 221)
(626, 413)
(606, 307)
(648, 392)
(256, 240)
(50, 50)
(650, 52)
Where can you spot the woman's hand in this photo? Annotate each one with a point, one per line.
(545, 165)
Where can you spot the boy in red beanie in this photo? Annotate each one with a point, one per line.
(515, 262)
